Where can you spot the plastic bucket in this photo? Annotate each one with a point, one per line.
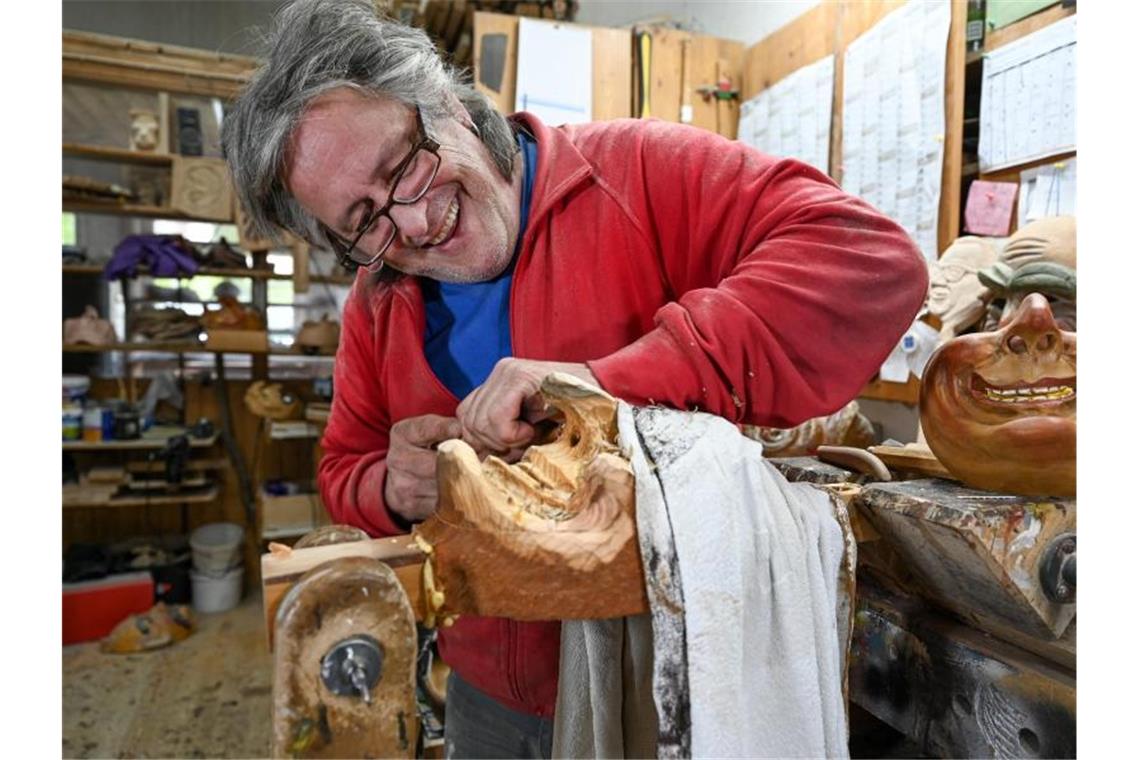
(216, 548)
(214, 594)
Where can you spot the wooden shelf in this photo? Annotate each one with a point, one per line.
(135, 209)
(165, 347)
(209, 494)
(881, 390)
(1026, 26)
(119, 155)
(252, 274)
(138, 444)
(186, 348)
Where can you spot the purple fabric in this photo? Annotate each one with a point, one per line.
(161, 254)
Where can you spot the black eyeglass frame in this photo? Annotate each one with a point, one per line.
(344, 252)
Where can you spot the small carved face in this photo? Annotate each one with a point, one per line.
(144, 130)
(957, 297)
(999, 409)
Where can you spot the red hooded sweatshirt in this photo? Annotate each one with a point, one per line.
(686, 270)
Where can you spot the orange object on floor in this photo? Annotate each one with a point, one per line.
(91, 609)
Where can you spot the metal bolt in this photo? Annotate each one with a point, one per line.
(353, 667)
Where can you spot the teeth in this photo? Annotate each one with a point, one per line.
(448, 223)
(1029, 395)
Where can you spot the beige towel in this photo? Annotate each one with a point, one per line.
(744, 649)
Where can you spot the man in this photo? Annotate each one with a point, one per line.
(663, 263)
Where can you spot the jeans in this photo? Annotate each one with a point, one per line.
(477, 726)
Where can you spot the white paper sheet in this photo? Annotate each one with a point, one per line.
(910, 355)
(1049, 190)
(555, 72)
(894, 117)
(792, 118)
(1029, 98)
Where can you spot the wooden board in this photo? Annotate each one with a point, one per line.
(912, 458)
(665, 73)
(491, 24)
(613, 73)
(976, 552)
(712, 58)
(201, 188)
(955, 691)
(1018, 29)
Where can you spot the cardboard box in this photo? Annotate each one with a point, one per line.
(297, 513)
(255, 341)
(91, 609)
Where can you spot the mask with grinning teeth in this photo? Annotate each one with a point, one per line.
(999, 409)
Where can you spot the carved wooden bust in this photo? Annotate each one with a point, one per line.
(957, 297)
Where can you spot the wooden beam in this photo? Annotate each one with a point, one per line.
(1028, 25)
(146, 65)
(950, 199)
(613, 73)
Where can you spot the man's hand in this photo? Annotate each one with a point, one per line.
(497, 416)
(410, 488)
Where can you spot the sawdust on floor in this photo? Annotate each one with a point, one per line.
(207, 696)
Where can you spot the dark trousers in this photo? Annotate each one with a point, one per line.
(477, 726)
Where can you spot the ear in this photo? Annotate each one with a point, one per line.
(456, 109)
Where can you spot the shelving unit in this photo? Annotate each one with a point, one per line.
(206, 494)
(252, 274)
(183, 348)
(138, 444)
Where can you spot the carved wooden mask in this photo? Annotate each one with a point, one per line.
(536, 540)
(957, 297)
(999, 409)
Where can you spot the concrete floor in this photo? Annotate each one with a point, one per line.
(207, 696)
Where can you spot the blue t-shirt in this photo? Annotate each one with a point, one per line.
(468, 324)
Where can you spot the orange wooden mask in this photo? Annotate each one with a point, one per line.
(999, 409)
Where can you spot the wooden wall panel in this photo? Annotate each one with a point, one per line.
(613, 73)
(712, 58)
(497, 23)
(665, 73)
(805, 40)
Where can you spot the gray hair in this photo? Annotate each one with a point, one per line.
(317, 46)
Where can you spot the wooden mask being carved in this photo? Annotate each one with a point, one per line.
(999, 409)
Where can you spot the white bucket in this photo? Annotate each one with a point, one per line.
(216, 548)
(212, 594)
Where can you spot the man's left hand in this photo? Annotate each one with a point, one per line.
(498, 416)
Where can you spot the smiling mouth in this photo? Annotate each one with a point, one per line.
(447, 227)
(1044, 391)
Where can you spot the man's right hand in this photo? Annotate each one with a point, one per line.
(410, 488)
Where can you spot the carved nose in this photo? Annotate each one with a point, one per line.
(1032, 328)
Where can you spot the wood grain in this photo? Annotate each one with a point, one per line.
(613, 73)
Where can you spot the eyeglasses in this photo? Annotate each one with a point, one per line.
(410, 181)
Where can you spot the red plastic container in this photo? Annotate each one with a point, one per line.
(91, 609)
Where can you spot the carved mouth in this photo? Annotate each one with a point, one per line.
(1044, 392)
